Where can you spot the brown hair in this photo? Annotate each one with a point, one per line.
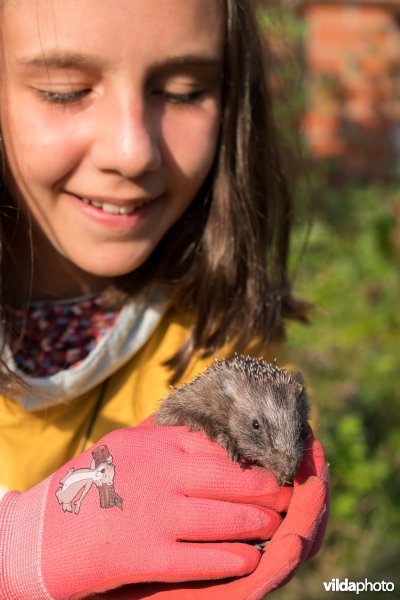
(225, 261)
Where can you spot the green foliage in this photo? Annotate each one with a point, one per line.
(346, 262)
(350, 354)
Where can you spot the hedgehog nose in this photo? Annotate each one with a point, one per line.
(287, 473)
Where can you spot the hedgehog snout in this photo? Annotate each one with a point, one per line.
(284, 467)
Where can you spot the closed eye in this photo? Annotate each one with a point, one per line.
(181, 98)
(63, 97)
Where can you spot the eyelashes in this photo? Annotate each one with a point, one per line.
(74, 97)
(63, 97)
(187, 98)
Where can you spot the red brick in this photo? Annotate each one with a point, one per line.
(353, 55)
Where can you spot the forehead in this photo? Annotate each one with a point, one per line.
(142, 28)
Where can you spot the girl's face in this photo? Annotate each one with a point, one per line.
(110, 115)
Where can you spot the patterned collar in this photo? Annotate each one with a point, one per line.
(120, 337)
(51, 337)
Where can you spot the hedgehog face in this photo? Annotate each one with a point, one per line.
(269, 418)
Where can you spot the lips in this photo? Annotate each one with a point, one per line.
(115, 206)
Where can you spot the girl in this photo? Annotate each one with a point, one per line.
(145, 226)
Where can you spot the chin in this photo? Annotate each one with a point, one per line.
(108, 270)
(108, 262)
(109, 273)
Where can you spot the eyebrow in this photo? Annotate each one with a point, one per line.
(60, 60)
(72, 60)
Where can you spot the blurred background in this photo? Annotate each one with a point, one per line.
(335, 72)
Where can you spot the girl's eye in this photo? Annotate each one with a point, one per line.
(256, 425)
(63, 97)
(175, 98)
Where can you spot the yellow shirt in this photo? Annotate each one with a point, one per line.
(34, 444)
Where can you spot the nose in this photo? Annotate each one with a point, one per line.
(287, 472)
(287, 468)
(126, 139)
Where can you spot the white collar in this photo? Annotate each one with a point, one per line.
(133, 327)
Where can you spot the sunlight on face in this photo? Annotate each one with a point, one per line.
(110, 116)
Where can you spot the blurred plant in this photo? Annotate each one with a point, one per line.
(350, 356)
(350, 352)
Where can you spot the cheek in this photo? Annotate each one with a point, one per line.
(191, 144)
(39, 150)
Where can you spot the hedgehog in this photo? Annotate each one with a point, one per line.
(255, 410)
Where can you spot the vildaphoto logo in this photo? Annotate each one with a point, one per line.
(337, 585)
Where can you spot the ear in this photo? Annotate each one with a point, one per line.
(298, 378)
(301, 394)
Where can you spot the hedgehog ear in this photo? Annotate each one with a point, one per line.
(299, 381)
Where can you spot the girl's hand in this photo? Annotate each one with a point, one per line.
(130, 510)
(298, 538)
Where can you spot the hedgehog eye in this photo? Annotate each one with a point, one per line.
(255, 424)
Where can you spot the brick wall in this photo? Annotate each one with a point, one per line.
(353, 69)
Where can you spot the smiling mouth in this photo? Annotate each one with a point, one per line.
(114, 208)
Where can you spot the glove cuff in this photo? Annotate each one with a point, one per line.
(21, 526)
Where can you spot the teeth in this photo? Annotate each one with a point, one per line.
(127, 210)
(113, 209)
(110, 208)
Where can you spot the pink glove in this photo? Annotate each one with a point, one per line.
(116, 515)
(298, 538)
